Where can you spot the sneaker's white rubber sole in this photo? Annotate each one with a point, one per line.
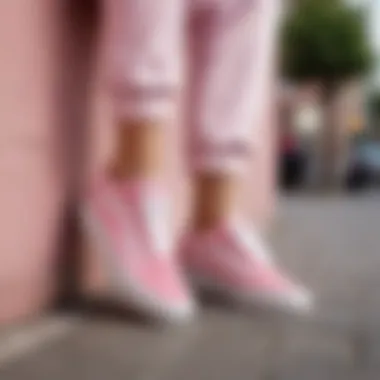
(122, 288)
(299, 303)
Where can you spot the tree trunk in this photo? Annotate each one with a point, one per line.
(330, 144)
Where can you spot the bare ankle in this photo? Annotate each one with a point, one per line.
(215, 199)
(138, 150)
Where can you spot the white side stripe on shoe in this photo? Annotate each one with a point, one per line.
(156, 210)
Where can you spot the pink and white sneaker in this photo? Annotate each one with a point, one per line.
(124, 222)
(233, 261)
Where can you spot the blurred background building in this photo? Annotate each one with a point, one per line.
(302, 120)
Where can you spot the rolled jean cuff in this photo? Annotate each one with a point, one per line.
(138, 109)
(231, 166)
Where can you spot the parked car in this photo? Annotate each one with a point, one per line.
(364, 167)
(293, 164)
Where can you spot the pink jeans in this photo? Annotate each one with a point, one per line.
(225, 49)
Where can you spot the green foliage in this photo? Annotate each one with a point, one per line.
(325, 40)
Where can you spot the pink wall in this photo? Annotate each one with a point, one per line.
(47, 86)
(30, 194)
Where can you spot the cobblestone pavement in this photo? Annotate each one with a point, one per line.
(332, 244)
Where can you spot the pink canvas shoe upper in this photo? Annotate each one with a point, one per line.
(132, 219)
(235, 258)
(105, 216)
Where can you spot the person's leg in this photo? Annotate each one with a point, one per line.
(142, 41)
(233, 48)
(232, 65)
(139, 150)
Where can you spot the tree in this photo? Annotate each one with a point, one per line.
(325, 41)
